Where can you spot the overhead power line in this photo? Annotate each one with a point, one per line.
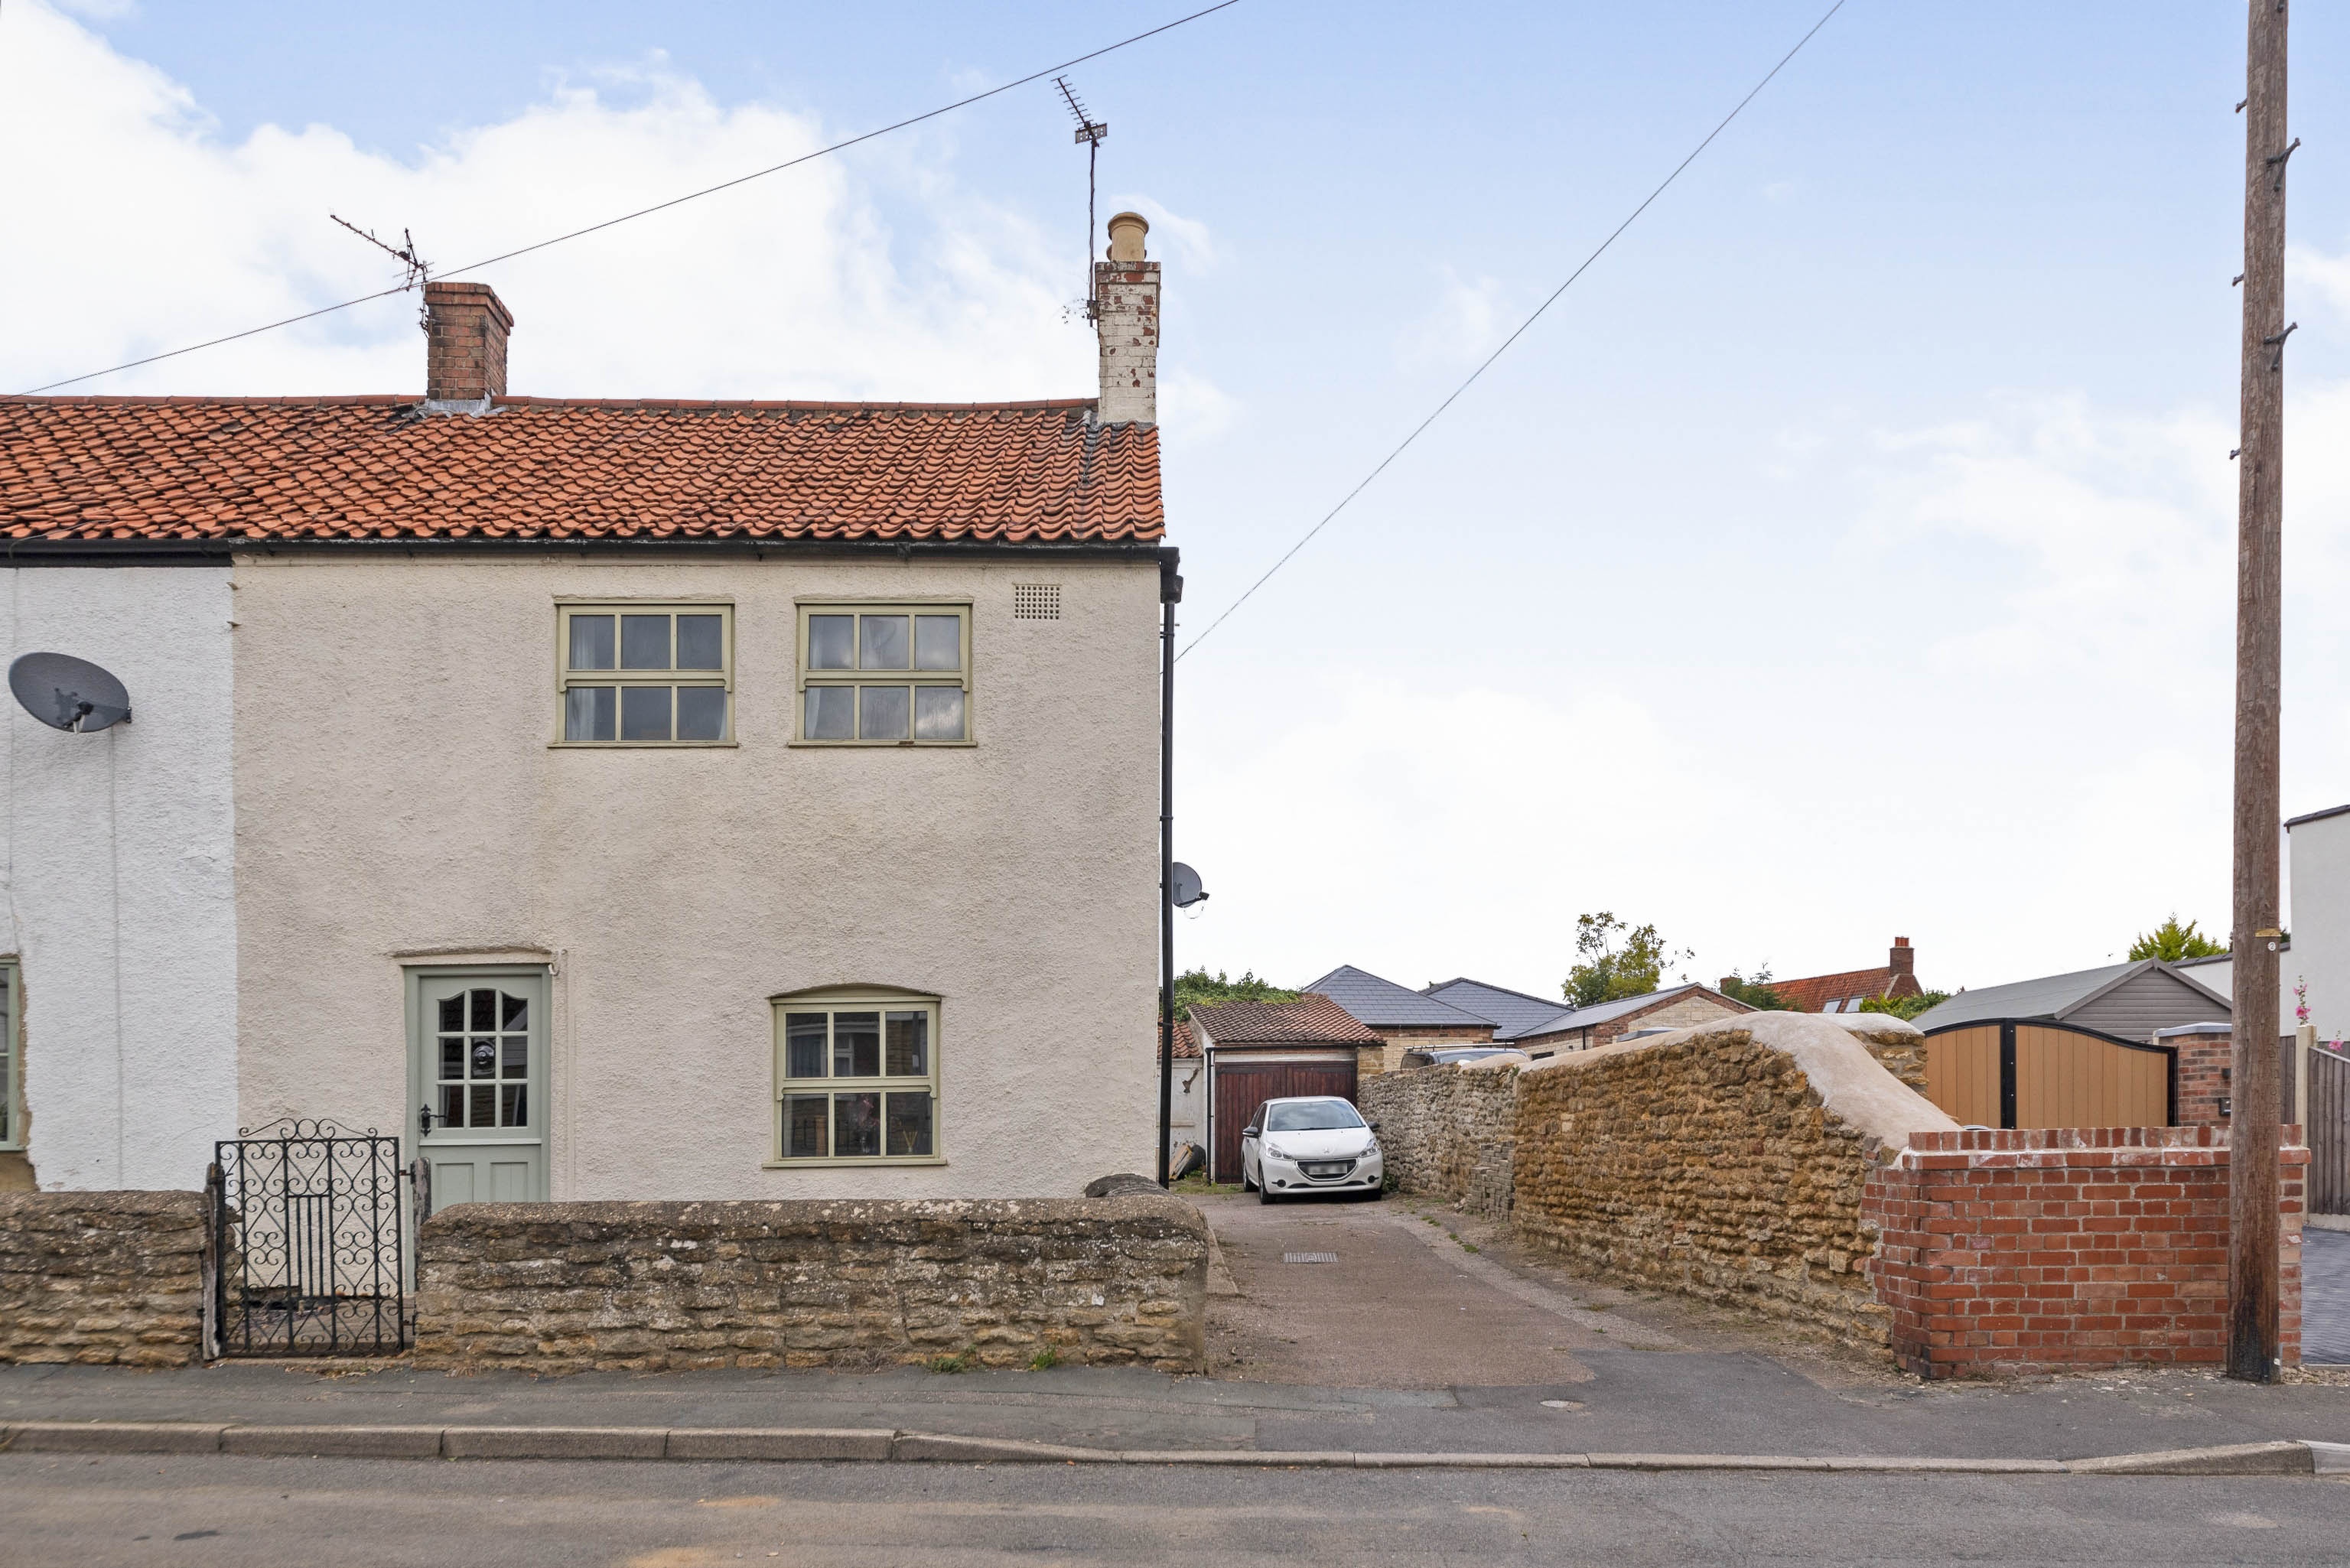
(1488, 363)
(646, 212)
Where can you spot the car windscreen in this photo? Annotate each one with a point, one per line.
(1312, 1116)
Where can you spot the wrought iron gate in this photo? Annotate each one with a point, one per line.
(307, 1243)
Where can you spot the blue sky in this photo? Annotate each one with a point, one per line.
(1846, 555)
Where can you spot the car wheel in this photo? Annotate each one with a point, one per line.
(1246, 1184)
(1264, 1196)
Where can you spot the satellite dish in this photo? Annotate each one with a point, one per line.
(1187, 889)
(69, 694)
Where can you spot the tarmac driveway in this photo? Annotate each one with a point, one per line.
(1392, 1294)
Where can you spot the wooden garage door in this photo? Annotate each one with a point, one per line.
(1242, 1086)
(2028, 1073)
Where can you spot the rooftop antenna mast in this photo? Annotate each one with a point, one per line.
(420, 271)
(1090, 133)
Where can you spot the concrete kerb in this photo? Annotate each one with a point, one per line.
(866, 1445)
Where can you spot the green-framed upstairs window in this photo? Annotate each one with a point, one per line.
(857, 1078)
(645, 674)
(12, 1059)
(885, 674)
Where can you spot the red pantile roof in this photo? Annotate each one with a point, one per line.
(1185, 1044)
(1814, 993)
(230, 469)
(1312, 1020)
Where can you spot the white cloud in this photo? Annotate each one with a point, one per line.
(1462, 327)
(2329, 276)
(1187, 242)
(791, 285)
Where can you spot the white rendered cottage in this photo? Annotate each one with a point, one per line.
(623, 799)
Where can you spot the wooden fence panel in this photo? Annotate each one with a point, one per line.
(2068, 1079)
(1962, 1074)
(2328, 1127)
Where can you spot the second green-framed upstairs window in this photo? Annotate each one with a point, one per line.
(884, 675)
(646, 674)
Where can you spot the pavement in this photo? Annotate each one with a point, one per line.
(1407, 1343)
(101, 1512)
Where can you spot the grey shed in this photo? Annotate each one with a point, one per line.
(2131, 1000)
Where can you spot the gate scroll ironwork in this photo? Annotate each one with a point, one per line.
(309, 1242)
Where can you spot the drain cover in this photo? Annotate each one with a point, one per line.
(1309, 1257)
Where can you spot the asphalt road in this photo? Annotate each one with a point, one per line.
(260, 1513)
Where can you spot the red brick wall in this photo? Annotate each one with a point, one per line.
(2202, 1077)
(2035, 1250)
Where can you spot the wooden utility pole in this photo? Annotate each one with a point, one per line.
(2252, 1130)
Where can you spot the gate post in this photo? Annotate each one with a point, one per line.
(208, 1274)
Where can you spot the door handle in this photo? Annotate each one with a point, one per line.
(424, 1118)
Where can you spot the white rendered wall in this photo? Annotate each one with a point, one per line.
(2320, 923)
(418, 814)
(120, 870)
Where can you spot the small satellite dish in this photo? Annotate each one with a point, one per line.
(69, 694)
(1187, 888)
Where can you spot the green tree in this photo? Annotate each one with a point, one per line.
(1906, 1006)
(1756, 990)
(1197, 985)
(2171, 941)
(1614, 959)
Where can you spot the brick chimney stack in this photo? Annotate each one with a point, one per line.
(1127, 288)
(1904, 959)
(465, 343)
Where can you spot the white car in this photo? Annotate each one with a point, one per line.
(1310, 1144)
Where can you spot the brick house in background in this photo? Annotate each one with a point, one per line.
(1844, 993)
(1606, 1023)
(1402, 1018)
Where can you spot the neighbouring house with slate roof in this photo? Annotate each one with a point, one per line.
(2131, 1000)
(1602, 1023)
(1403, 1017)
(1462, 1012)
(617, 799)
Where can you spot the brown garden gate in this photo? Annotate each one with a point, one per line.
(1243, 1084)
(2325, 1123)
(2030, 1073)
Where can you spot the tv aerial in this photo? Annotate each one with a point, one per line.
(1187, 890)
(1091, 133)
(69, 694)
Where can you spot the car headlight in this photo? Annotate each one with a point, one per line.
(1371, 1150)
(1277, 1152)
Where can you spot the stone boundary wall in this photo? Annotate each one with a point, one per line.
(1448, 1132)
(2007, 1253)
(102, 1278)
(1726, 1162)
(565, 1287)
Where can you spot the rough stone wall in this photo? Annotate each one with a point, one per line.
(564, 1287)
(1448, 1132)
(102, 1278)
(1903, 1055)
(1726, 1162)
(2034, 1250)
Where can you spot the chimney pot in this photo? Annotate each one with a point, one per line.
(465, 330)
(1126, 297)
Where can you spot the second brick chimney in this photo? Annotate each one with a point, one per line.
(1904, 958)
(465, 331)
(1125, 288)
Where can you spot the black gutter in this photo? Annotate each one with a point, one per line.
(218, 552)
(1170, 594)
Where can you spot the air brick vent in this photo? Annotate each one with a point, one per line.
(1036, 601)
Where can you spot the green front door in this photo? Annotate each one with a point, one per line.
(477, 1082)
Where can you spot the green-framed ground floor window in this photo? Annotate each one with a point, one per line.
(857, 1078)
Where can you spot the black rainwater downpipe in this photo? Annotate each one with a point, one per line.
(1170, 594)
